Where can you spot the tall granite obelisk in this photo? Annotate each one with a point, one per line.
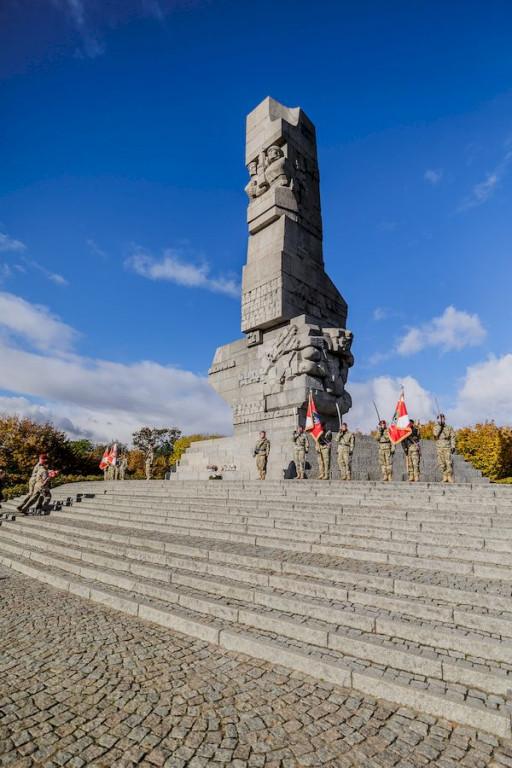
(293, 317)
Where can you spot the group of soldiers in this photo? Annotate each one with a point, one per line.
(443, 433)
(116, 471)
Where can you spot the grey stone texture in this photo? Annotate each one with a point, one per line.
(400, 592)
(84, 685)
(293, 317)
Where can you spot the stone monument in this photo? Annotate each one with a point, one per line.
(293, 317)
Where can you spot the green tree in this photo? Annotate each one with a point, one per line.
(160, 441)
(181, 445)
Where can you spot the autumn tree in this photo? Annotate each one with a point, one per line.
(23, 440)
(181, 445)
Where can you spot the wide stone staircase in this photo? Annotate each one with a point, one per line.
(399, 591)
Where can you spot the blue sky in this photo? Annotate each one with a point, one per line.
(122, 211)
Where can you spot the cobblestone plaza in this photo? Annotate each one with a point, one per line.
(82, 685)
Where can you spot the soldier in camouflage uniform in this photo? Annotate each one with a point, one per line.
(123, 466)
(261, 452)
(386, 451)
(346, 441)
(412, 450)
(41, 482)
(300, 448)
(149, 463)
(445, 436)
(323, 449)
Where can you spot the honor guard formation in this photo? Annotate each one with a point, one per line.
(345, 440)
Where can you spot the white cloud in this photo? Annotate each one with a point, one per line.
(434, 176)
(95, 398)
(454, 329)
(10, 244)
(34, 324)
(485, 393)
(482, 191)
(384, 391)
(104, 400)
(174, 268)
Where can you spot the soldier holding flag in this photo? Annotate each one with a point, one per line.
(300, 448)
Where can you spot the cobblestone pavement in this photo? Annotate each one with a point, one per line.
(81, 685)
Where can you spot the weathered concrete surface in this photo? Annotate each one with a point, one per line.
(293, 316)
(82, 685)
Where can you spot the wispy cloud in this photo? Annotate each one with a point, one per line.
(10, 244)
(482, 191)
(54, 277)
(95, 250)
(387, 226)
(384, 313)
(174, 267)
(453, 330)
(90, 47)
(434, 176)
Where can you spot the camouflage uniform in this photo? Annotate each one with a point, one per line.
(33, 478)
(411, 446)
(149, 464)
(123, 466)
(323, 449)
(386, 450)
(41, 479)
(445, 436)
(261, 451)
(346, 441)
(300, 448)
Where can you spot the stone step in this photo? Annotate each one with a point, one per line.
(332, 523)
(454, 560)
(202, 563)
(366, 646)
(157, 488)
(363, 662)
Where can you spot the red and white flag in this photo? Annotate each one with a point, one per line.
(400, 425)
(104, 461)
(313, 423)
(112, 457)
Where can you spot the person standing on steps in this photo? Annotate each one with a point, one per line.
(412, 451)
(445, 437)
(346, 441)
(261, 452)
(123, 466)
(386, 451)
(300, 449)
(42, 458)
(323, 449)
(150, 456)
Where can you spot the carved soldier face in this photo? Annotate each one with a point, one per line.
(273, 153)
(253, 168)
